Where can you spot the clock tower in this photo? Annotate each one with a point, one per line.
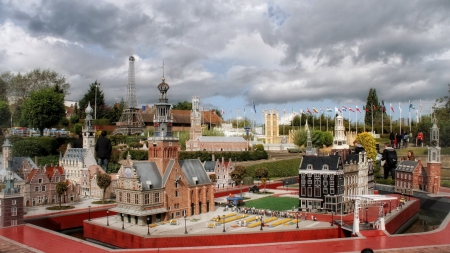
(163, 146)
(434, 160)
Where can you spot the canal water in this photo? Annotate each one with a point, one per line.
(428, 220)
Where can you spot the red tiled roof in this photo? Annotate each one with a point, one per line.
(31, 175)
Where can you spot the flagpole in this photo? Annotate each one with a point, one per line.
(320, 122)
(364, 121)
(349, 119)
(382, 116)
(372, 119)
(390, 116)
(356, 113)
(327, 120)
(409, 115)
(400, 120)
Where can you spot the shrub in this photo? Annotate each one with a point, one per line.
(140, 155)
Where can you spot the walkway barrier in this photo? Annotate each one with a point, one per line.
(279, 222)
(256, 224)
(220, 217)
(174, 222)
(236, 217)
(211, 224)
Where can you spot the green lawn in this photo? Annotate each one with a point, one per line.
(274, 203)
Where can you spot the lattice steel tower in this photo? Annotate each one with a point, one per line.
(131, 121)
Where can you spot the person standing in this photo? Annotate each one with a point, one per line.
(398, 138)
(103, 148)
(392, 138)
(419, 139)
(411, 156)
(389, 157)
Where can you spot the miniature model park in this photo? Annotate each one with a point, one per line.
(166, 203)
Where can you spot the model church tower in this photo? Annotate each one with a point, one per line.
(88, 130)
(340, 140)
(196, 126)
(162, 146)
(434, 160)
(11, 201)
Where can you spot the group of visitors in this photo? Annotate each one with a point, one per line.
(400, 139)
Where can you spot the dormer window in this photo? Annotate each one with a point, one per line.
(309, 167)
(325, 167)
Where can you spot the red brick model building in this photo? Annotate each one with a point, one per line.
(412, 176)
(162, 188)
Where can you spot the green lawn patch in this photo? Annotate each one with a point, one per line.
(273, 203)
(99, 202)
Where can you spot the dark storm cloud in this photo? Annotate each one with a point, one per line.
(277, 51)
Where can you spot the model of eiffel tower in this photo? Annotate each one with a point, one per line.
(131, 121)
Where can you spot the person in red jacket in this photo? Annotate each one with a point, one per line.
(420, 139)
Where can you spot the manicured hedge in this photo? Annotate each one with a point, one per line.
(235, 156)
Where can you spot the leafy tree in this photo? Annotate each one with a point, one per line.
(103, 181)
(4, 83)
(300, 137)
(5, 114)
(21, 85)
(77, 128)
(61, 188)
(89, 96)
(264, 181)
(327, 139)
(317, 138)
(368, 142)
(185, 105)
(261, 172)
(213, 178)
(43, 109)
(114, 112)
(238, 174)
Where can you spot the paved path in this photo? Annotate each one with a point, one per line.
(29, 238)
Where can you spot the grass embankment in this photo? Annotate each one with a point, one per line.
(277, 169)
(273, 203)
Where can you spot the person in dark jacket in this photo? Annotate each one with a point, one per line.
(358, 147)
(103, 148)
(392, 138)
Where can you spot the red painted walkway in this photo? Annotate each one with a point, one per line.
(48, 241)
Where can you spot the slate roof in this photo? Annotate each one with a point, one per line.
(407, 166)
(318, 161)
(194, 168)
(80, 154)
(210, 166)
(148, 171)
(167, 172)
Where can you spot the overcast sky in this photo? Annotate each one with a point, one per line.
(280, 54)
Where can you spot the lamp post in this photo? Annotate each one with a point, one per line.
(390, 206)
(89, 213)
(107, 220)
(223, 217)
(95, 110)
(262, 223)
(123, 222)
(297, 219)
(367, 217)
(332, 218)
(148, 225)
(185, 229)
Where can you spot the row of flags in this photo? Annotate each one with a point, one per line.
(380, 107)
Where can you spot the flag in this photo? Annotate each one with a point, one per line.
(383, 108)
(320, 109)
(223, 112)
(244, 110)
(237, 110)
(344, 108)
(308, 111)
(328, 109)
(284, 111)
(254, 107)
(358, 110)
(350, 109)
(315, 110)
(420, 101)
(392, 108)
(366, 109)
(399, 107)
(375, 107)
(337, 110)
(411, 106)
(301, 111)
